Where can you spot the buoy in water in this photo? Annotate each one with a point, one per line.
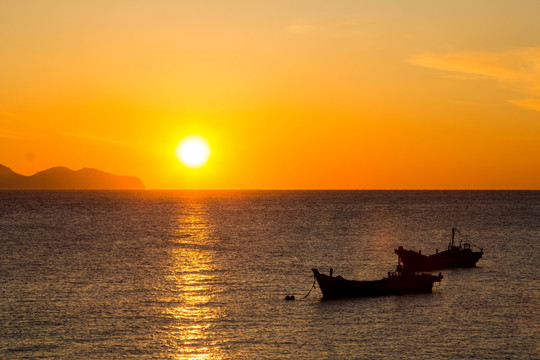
(289, 297)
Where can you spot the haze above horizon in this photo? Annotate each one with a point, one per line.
(288, 94)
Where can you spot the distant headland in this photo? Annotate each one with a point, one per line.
(62, 178)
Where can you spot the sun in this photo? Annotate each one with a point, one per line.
(193, 151)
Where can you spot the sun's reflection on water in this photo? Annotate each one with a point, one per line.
(193, 277)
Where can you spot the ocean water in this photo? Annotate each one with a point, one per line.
(203, 275)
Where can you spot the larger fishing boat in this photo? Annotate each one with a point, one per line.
(454, 256)
(397, 283)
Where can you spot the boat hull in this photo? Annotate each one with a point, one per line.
(448, 259)
(338, 287)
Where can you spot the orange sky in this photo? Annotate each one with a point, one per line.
(290, 94)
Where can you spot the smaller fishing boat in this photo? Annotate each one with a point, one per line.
(454, 257)
(397, 283)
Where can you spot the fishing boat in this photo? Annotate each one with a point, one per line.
(454, 256)
(397, 283)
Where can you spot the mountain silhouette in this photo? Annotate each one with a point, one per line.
(62, 178)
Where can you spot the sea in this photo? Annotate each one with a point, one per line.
(204, 275)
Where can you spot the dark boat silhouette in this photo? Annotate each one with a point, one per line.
(397, 283)
(453, 257)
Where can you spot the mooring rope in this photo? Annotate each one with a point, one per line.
(312, 287)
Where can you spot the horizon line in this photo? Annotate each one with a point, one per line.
(257, 189)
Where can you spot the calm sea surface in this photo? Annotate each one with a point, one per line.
(203, 275)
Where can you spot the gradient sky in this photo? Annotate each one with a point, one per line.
(290, 94)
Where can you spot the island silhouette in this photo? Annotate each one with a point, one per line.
(62, 178)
